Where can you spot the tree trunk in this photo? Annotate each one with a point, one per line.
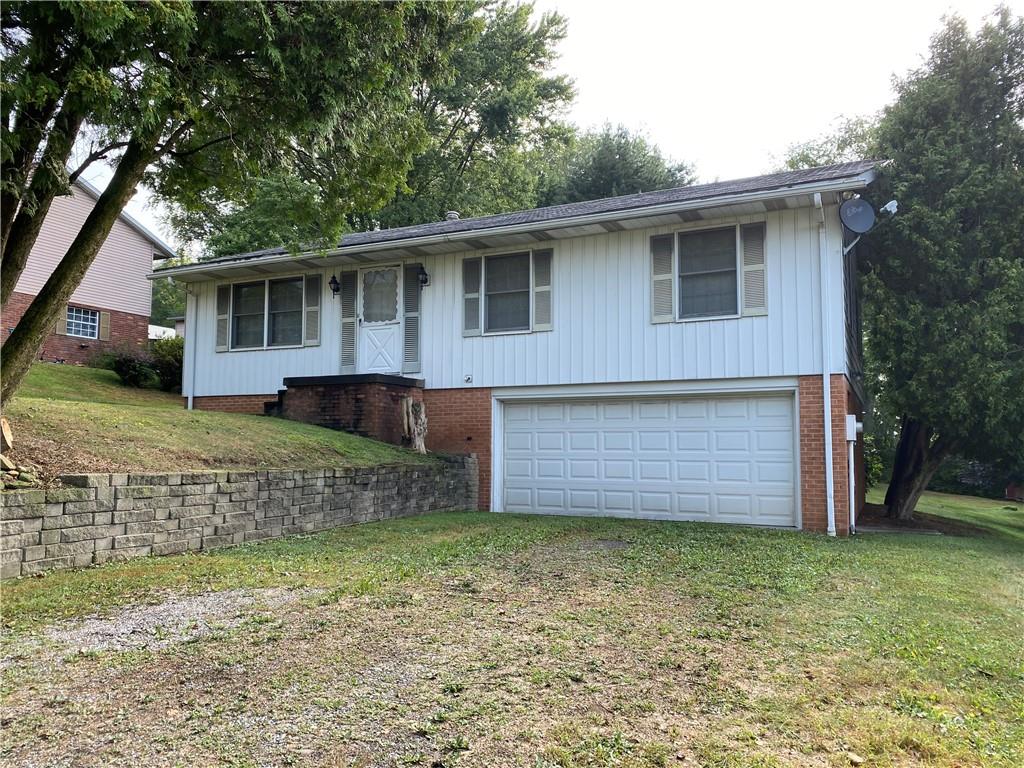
(24, 344)
(27, 134)
(48, 180)
(918, 455)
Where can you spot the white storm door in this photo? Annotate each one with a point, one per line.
(380, 320)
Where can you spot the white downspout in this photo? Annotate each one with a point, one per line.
(190, 338)
(826, 361)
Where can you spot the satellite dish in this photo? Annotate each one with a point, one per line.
(857, 215)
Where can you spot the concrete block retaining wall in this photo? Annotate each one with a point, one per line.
(103, 518)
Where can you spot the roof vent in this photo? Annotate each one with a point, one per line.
(451, 215)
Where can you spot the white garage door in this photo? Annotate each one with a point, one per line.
(720, 459)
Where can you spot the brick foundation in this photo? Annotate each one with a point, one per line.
(252, 404)
(368, 405)
(459, 421)
(126, 329)
(812, 454)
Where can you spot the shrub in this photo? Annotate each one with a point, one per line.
(168, 356)
(134, 368)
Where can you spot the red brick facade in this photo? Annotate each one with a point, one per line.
(370, 408)
(459, 421)
(812, 454)
(126, 329)
(252, 404)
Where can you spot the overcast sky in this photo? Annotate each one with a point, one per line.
(729, 85)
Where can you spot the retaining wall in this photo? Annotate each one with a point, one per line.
(103, 518)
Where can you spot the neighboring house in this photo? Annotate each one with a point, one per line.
(179, 325)
(111, 305)
(672, 355)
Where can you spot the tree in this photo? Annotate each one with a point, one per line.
(484, 122)
(945, 278)
(168, 297)
(194, 97)
(851, 138)
(482, 125)
(609, 162)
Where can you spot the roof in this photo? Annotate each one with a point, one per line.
(571, 219)
(165, 251)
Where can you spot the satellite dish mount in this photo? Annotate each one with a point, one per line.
(858, 217)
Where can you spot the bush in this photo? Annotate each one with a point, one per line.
(874, 464)
(134, 367)
(168, 362)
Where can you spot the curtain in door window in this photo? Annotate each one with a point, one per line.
(380, 295)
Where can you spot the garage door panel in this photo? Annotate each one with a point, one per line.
(724, 459)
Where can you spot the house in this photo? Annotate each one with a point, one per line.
(111, 305)
(685, 354)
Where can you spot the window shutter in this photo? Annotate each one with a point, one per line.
(61, 326)
(411, 319)
(104, 330)
(348, 322)
(471, 297)
(313, 294)
(223, 316)
(754, 295)
(663, 279)
(542, 290)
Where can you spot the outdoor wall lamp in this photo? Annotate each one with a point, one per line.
(334, 285)
(423, 276)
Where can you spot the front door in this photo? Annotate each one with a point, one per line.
(380, 320)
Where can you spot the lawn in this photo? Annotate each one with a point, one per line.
(69, 419)
(483, 640)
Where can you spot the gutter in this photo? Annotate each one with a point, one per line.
(818, 188)
(826, 362)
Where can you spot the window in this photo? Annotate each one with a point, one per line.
(707, 273)
(83, 322)
(269, 313)
(507, 293)
(285, 313)
(247, 308)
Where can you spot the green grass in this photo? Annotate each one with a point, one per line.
(530, 644)
(70, 419)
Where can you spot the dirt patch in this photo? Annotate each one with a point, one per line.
(177, 620)
(874, 517)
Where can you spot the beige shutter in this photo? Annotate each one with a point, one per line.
(754, 289)
(411, 318)
(471, 297)
(223, 317)
(104, 334)
(311, 337)
(348, 321)
(663, 279)
(61, 326)
(542, 290)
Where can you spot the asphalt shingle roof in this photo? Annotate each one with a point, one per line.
(556, 213)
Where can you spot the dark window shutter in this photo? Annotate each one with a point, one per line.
(223, 316)
(471, 297)
(348, 322)
(411, 318)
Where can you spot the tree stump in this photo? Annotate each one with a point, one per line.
(414, 424)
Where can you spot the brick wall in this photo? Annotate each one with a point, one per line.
(368, 405)
(126, 329)
(459, 422)
(116, 517)
(812, 454)
(252, 404)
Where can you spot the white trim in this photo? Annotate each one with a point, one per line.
(856, 181)
(644, 388)
(826, 363)
(497, 454)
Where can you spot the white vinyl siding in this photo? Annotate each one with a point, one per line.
(601, 321)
